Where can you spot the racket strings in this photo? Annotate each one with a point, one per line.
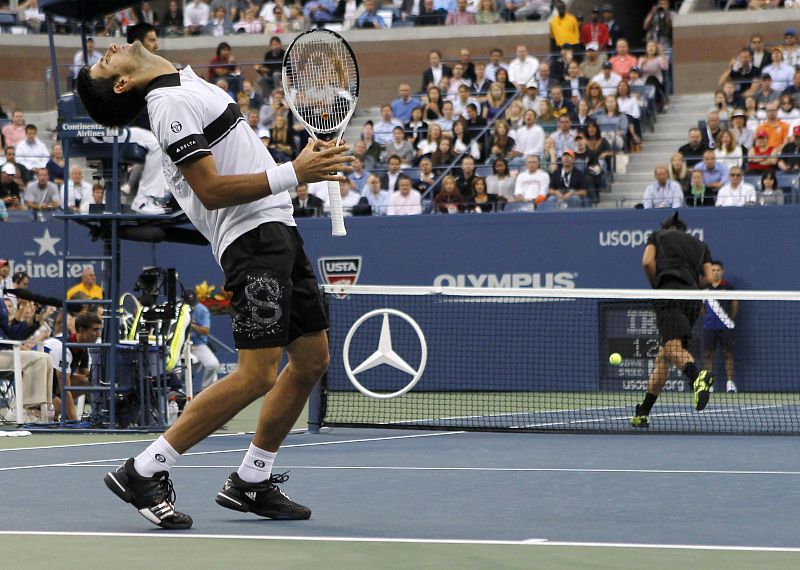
(323, 81)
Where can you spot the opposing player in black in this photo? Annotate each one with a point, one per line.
(674, 259)
(233, 192)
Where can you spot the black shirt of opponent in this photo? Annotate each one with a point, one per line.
(679, 259)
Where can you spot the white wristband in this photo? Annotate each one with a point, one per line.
(281, 178)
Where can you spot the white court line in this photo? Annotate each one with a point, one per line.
(527, 542)
(296, 445)
(477, 469)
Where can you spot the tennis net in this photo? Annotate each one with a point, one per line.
(538, 360)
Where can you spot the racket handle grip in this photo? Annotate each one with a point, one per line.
(337, 215)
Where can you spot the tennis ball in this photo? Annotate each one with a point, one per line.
(615, 359)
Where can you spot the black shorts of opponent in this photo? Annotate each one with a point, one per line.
(675, 317)
(276, 298)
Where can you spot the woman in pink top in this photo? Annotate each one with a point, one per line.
(653, 64)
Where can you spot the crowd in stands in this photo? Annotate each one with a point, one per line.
(745, 150)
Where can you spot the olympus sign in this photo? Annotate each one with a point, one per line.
(560, 280)
(634, 238)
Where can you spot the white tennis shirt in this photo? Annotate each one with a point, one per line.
(192, 118)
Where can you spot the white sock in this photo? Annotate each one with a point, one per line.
(256, 465)
(159, 456)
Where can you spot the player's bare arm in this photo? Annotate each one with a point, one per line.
(706, 279)
(216, 191)
(649, 264)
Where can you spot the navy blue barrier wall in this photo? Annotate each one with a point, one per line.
(598, 248)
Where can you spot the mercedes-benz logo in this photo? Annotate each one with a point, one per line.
(385, 354)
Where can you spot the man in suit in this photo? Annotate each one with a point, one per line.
(390, 177)
(433, 75)
(306, 205)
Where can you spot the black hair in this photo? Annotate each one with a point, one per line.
(674, 222)
(718, 262)
(31, 126)
(85, 321)
(222, 46)
(139, 31)
(771, 176)
(19, 276)
(494, 164)
(103, 104)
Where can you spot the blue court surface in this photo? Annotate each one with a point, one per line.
(730, 500)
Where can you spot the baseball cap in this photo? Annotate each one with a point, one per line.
(761, 133)
(738, 113)
(635, 69)
(594, 46)
(3, 262)
(532, 83)
(570, 152)
(796, 130)
(790, 32)
(9, 169)
(606, 65)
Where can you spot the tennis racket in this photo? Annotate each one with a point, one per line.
(320, 80)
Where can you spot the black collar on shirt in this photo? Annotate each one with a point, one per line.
(166, 80)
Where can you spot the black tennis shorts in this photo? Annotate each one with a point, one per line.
(675, 319)
(276, 298)
(723, 338)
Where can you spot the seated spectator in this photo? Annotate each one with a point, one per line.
(495, 63)
(629, 106)
(41, 194)
(384, 128)
(594, 97)
(443, 156)
(679, 172)
(172, 23)
(790, 154)
(595, 31)
(515, 113)
(770, 194)
(460, 16)
(623, 61)
(10, 190)
(713, 129)
(501, 144)
(692, 151)
(358, 178)
(377, 197)
(663, 193)
(522, 68)
(533, 184)
(78, 190)
(223, 66)
(787, 110)
(777, 130)
(549, 158)
(433, 106)
(653, 64)
(574, 84)
(736, 192)
(254, 100)
(281, 141)
(564, 136)
(433, 75)
(741, 71)
(546, 115)
(461, 142)
(530, 100)
(269, 70)
(745, 137)
(482, 201)
(486, 13)
(780, 72)
(32, 153)
(373, 147)
(98, 201)
(762, 157)
(568, 188)
(14, 132)
(461, 101)
(500, 183)
(369, 18)
(390, 178)
(447, 119)
(607, 79)
(403, 106)
(794, 89)
(715, 174)
(87, 286)
(195, 17)
(592, 166)
(592, 63)
(428, 145)
(791, 50)
(449, 200)
(762, 90)
(732, 98)
(501, 78)
(249, 23)
(427, 178)
(613, 124)
(696, 194)
(416, 129)
(582, 114)
(728, 151)
(219, 24)
(406, 201)
(529, 138)
(399, 147)
(305, 205)
(466, 177)
(475, 125)
(55, 166)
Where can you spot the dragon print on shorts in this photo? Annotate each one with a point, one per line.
(261, 312)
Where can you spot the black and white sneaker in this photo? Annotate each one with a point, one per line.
(153, 497)
(264, 499)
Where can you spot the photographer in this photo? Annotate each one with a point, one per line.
(658, 24)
